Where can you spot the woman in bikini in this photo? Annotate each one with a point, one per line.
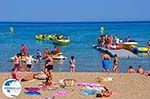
(72, 64)
(115, 68)
(48, 69)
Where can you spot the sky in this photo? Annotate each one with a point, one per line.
(74, 10)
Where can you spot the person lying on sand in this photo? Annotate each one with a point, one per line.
(104, 93)
(40, 76)
(28, 77)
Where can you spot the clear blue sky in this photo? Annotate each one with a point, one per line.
(74, 10)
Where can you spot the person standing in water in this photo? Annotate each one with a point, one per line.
(72, 64)
(45, 54)
(17, 62)
(23, 50)
(105, 62)
(115, 68)
(29, 62)
(39, 55)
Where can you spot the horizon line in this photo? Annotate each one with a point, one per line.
(71, 21)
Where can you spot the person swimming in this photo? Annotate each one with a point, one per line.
(105, 62)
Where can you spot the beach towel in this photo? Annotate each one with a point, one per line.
(32, 88)
(147, 73)
(84, 84)
(87, 92)
(32, 93)
(61, 93)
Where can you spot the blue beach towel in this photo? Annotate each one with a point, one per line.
(87, 92)
(32, 93)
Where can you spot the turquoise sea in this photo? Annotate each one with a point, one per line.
(82, 34)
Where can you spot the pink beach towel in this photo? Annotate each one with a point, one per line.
(61, 93)
(32, 88)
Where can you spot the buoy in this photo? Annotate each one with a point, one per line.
(102, 30)
(11, 30)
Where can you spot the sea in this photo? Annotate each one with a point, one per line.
(82, 35)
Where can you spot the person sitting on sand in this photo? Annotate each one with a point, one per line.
(105, 62)
(15, 74)
(140, 70)
(131, 69)
(115, 68)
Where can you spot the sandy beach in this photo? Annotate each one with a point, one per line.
(123, 86)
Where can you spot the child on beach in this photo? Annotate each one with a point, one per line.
(72, 64)
(115, 68)
(131, 69)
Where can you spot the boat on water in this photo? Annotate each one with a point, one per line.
(47, 36)
(59, 56)
(23, 58)
(137, 49)
(62, 41)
